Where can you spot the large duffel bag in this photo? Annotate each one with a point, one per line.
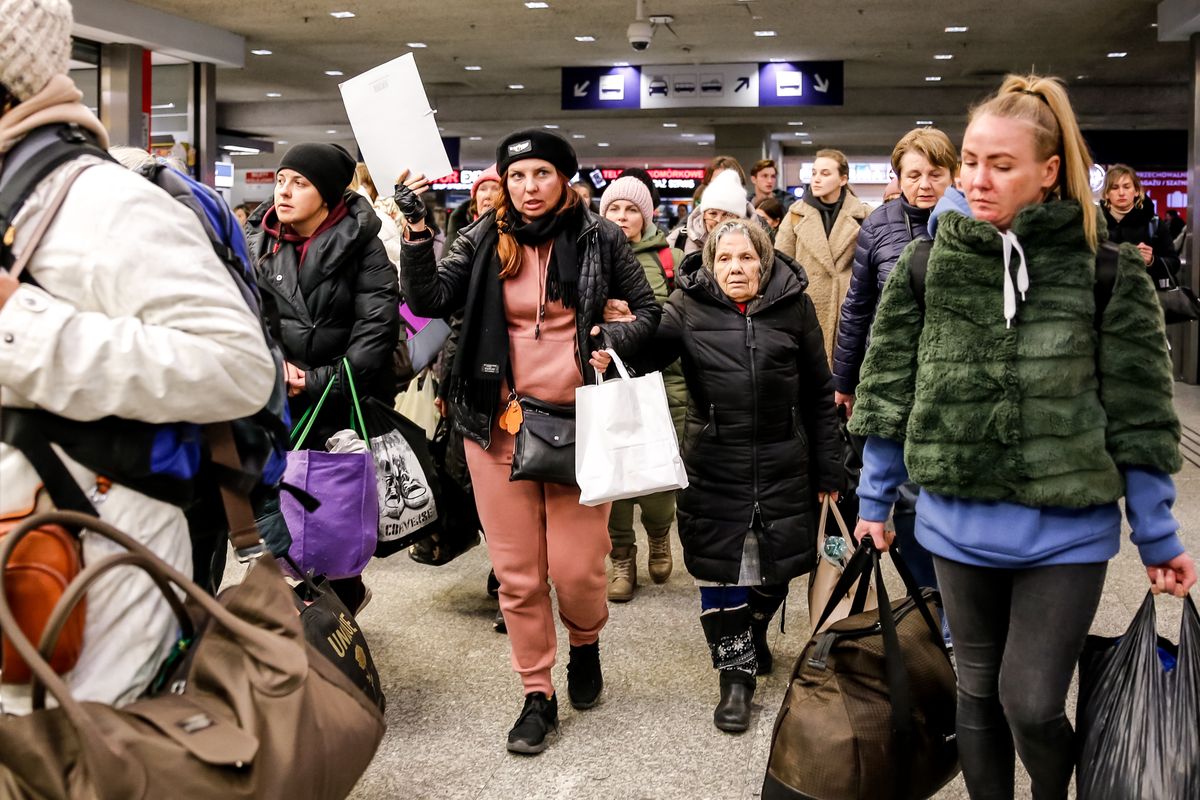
(252, 710)
(869, 713)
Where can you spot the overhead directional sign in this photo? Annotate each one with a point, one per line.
(589, 88)
(794, 83)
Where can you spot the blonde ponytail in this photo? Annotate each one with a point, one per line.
(1043, 103)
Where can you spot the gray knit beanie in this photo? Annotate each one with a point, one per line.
(631, 189)
(35, 44)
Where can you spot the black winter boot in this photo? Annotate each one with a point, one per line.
(732, 714)
(584, 679)
(764, 602)
(731, 644)
(539, 718)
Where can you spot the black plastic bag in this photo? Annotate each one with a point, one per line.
(459, 528)
(410, 497)
(1139, 711)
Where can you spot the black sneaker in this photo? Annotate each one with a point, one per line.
(539, 718)
(584, 680)
(498, 624)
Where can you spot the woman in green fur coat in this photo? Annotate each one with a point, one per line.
(628, 203)
(1024, 418)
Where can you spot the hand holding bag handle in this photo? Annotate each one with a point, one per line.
(622, 370)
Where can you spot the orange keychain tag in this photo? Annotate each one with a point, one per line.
(512, 417)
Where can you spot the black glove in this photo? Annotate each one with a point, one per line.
(410, 203)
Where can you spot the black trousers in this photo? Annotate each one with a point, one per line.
(1017, 636)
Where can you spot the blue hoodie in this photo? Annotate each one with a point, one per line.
(966, 530)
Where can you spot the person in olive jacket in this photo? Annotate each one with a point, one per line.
(761, 442)
(320, 262)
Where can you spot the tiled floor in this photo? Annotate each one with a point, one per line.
(452, 695)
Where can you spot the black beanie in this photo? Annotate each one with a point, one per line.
(329, 167)
(537, 144)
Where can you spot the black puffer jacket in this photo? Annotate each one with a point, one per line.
(607, 269)
(760, 438)
(343, 301)
(1140, 226)
(883, 237)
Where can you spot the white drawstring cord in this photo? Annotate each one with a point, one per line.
(1010, 243)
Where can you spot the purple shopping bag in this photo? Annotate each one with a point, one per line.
(338, 538)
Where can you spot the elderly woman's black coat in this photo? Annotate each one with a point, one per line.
(761, 430)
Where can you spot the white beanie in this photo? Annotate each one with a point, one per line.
(35, 44)
(725, 193)
(631, 189)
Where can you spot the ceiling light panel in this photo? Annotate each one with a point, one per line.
(342, 14)
(537, 5)
(417, 45)
(764, 34)
(585, 38)
(260, 52)
(957, 29)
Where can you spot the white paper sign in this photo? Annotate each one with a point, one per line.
(393, 123)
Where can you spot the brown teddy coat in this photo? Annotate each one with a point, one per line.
(827, 260)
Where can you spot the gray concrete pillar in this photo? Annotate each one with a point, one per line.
(202, 108)
(125, 94)
(746, 143)
(1185, 339)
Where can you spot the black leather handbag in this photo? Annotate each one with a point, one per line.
(1179, 304)
(545, 444)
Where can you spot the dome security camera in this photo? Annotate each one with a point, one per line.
(640, 34)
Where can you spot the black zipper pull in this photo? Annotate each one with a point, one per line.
(712, 418)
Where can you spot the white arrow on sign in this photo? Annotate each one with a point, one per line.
(820, 84)
(581, 89)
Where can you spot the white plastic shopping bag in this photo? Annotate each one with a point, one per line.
(625, 443)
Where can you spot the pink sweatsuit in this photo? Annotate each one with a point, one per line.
(537, 530)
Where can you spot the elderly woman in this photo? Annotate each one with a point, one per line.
(760, 443)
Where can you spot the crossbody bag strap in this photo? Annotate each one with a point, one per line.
(19, 429)
(243, 532)
(47, 217)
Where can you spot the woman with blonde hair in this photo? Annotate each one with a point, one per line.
(1130, 218)
(385, 209)
(819, 232)
(1024, 419)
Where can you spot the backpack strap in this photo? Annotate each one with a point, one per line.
(918, 267)
(667, 261)
(1107, 256)
(18, 430)
(69, 143)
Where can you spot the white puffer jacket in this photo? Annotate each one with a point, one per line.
(138, 319)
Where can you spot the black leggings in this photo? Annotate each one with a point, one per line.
(1017, 636)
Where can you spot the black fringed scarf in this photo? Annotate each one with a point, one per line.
(482, 360)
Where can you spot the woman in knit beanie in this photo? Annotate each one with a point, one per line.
(627, 202)
(532, 279)
(318, 254)
(722, 200)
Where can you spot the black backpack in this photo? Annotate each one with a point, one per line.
(1107, 257)
(164, 461)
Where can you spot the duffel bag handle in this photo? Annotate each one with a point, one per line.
(899, 688)
(250, 636)
(75, 593)
(914, 591)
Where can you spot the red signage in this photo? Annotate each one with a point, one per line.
(260, 176)
(660, 174)
(1168, 190)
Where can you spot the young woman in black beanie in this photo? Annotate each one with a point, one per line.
(318, 256)
(532, 278)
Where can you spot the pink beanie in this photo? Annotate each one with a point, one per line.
(631, 189)
(489, 174)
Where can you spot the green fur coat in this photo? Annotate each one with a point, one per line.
(1042, 413)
